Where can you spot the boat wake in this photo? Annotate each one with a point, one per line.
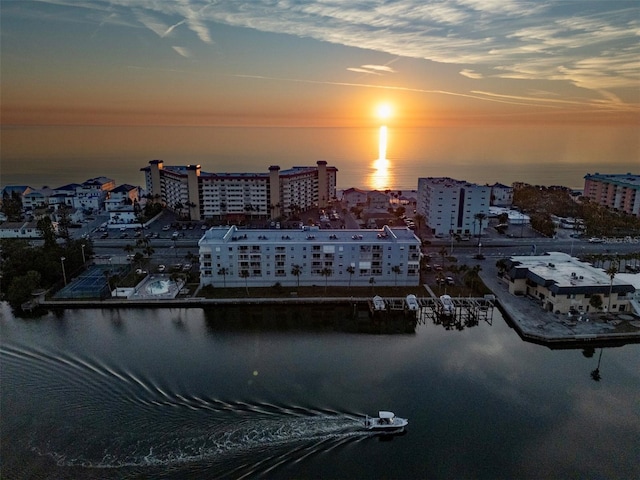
(104, 417)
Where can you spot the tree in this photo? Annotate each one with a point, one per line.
(419, 220)
(245, 274)
(296, 271)
(326, 272)
(480, 217)
(372, 282)
(12, 206)
(611, 271)
(224, 271)
(21, 287)
(472, 276)
(64, 222)
(596, 301)
(350, 270)
(443, 253)
(396, 270)
(46, 229)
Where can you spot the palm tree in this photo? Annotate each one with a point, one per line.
(148, 250)
(480, 217)
(472, 276)
(296, 270)
(611, 271)
(326, 272)
(418, 219)
(443, 254)
(396, 270)
(372, 282)
(350, 270)
(224, 271)
(245, 274)
(595, 374)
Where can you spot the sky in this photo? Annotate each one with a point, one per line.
(319, 62)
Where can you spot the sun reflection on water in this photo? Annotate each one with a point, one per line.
(379, 179)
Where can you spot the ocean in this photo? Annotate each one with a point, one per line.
(541, 155)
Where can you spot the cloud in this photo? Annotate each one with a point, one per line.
(182, 51)
(470, 74)
(518, 39)
(372, 69)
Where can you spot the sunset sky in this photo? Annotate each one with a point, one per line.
(319, 62)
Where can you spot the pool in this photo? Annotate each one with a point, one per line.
(158, 287)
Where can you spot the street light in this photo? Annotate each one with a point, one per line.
(64, 275)
(84, 260)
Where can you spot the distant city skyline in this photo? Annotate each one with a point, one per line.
(312, 63)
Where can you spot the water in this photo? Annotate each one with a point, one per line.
(188, 393)
(545, 155)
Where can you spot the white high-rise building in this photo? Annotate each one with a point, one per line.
(450, 206)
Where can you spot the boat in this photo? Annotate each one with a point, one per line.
(447, 305)
(385, 422)
(378, 303)
(412, 302)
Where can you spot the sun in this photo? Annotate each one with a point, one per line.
(384, 111)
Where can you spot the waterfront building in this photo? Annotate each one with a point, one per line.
(90, 195)
(563, 284)
(120, 196)
(501, 195)
(310, 256)
(353, 197)
(378, 200)
(449, 206)
(200, 195)
(617, 192)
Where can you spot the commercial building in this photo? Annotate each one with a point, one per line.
(311, 256)
(617, 192)
(564, 284)
(200, 195)
(450, 206)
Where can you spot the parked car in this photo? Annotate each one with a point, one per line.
(161, 268)
(449, 280)
(595, 240)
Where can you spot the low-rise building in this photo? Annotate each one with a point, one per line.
(564, 284)
(311, 256)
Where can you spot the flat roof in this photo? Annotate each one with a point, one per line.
(565, 270)
(277, 236)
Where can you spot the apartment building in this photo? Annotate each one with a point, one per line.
(449, 206)
(564, 284)
(615, 191)
(311, 256)
(202, 195)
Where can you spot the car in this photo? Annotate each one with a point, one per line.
(104, 235)
(449, 280)
(437, 268)
(166, 228)
(124, 235)
(186, 267)
(595, 240)
(161, 268)
(203, 227)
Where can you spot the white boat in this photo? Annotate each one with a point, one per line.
(412, 302)
(378, 303)
(385, 421)
(447, 305)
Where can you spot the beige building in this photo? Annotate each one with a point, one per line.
(200, 195)
(564, 284)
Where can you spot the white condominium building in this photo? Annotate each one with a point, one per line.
(201, 195)
(450, 206)
(310, 256)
